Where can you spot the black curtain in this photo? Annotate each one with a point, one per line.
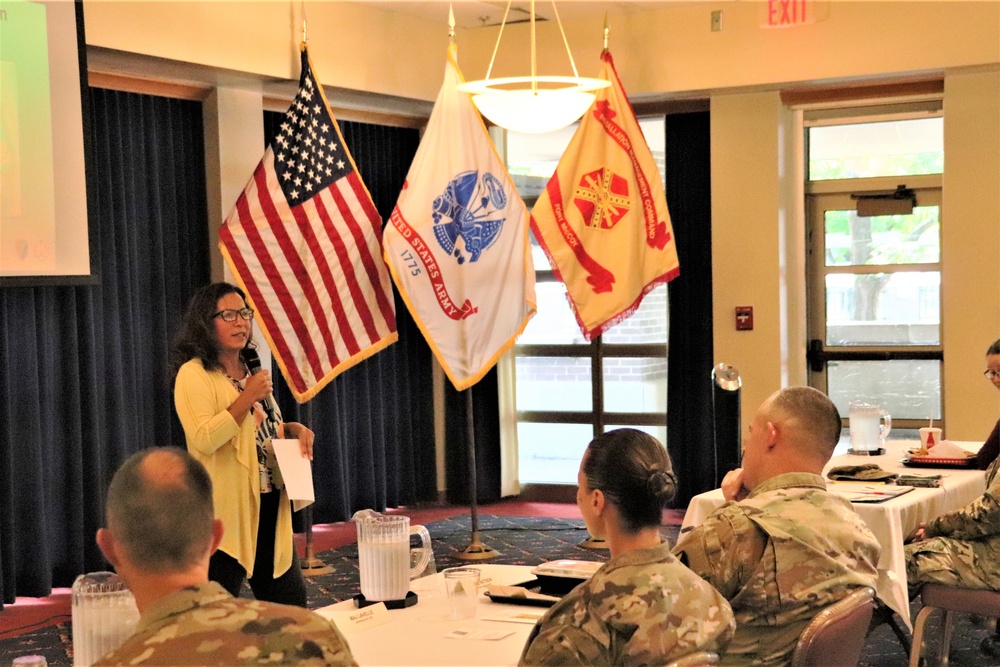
(486, 433)
(374, 423)
(690, 435)
(84, 369)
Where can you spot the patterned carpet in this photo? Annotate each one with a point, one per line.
(518, 541)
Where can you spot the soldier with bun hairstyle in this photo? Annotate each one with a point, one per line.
(643, 606)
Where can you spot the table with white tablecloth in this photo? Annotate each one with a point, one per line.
(891, 520)
(419, 635)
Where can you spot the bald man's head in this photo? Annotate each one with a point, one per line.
(159, 509)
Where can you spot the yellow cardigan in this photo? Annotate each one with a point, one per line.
(229, 452)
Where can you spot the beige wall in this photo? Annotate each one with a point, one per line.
(758, 250)
(670, 53)
(662, 51)
(970, 250)
(351, 45)
(745, 238)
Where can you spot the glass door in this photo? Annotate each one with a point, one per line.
(875, 300)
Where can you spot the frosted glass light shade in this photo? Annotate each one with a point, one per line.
(522, 109)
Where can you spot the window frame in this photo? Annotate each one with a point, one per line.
(819, 353)
(596, 351)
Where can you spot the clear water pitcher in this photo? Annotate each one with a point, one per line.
(869, 424)
(104, 616)
(384, 554)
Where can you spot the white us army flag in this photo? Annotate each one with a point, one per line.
(457, 242)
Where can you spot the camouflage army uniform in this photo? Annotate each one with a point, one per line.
(780, 556)
(205, 625)
(963, 547)
(640, 608)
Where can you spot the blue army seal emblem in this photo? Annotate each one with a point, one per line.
(470, 208)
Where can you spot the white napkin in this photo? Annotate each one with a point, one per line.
(946, 449)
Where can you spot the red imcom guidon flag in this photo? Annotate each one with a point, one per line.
(602, 218)
(304, 241)
(457, 242)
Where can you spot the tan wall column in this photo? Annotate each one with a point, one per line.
(756, 243)
(970, 250)
(234, 144)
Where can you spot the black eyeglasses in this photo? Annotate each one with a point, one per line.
(229, 315)
(991, 375)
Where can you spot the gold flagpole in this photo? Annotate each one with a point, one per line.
(311, 565)
(476, 549)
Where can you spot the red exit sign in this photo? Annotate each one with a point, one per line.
(791, 13)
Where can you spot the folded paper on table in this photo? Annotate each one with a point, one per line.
(295, 469)
(526, 616)
(353, 621)
(859, 493)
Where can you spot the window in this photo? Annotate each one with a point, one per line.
(884, 148)
(874, 215)
(569, 390)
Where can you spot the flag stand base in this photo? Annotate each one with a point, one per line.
(314, 567)
(477, 551)
(594, 543)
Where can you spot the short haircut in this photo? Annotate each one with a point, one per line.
(994, 348)
(162, 516)
(814, 411)
(634, 472)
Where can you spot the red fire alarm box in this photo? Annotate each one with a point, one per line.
(744, 318)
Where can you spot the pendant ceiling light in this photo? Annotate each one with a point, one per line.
(533, 104)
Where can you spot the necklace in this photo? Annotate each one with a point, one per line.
(241, 370)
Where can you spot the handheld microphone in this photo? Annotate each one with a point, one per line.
(252, 360)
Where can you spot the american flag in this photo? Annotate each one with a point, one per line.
(304, 240)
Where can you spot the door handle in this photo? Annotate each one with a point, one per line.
(818, 357)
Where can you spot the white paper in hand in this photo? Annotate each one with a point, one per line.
(295, 469)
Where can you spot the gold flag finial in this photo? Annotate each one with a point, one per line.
(304, 24)
(607, 31)
(451, 23)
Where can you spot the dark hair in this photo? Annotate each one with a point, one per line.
(994, 348)
(634, 471)
(815, 411)
(196, 337)
(162, 516)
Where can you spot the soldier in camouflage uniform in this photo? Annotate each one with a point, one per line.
(786, 549)
(962, 548)
(642, 607)
(160, 534)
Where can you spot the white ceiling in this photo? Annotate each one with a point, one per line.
(476, 13)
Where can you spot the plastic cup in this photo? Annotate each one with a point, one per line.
(929, 436)
(462, 586)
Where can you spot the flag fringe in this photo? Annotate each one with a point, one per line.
(309, 394)
(590, 334)
(485, 368)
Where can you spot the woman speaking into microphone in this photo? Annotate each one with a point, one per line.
(229, 417)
